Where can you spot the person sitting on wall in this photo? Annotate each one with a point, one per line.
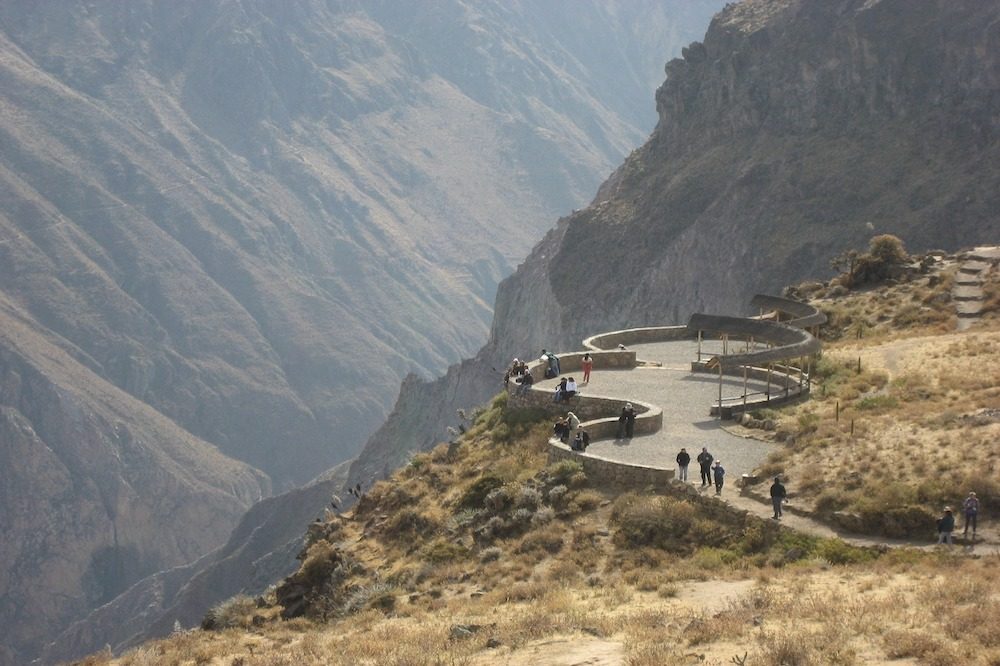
(560, 392)
(570, 390)
(581, 441)
(526, 381)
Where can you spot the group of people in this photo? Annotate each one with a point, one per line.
(710, 473)
(565, 389)
(946, 523)
(568, 430)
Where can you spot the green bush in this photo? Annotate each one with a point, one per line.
(836, 551)
(441, 551)
(475, 495)
(652, 521)
(874, 402)
(567, 473)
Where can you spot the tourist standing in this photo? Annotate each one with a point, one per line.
(683, 460)
(705, 462)
(573, 422)
(629, 420)
(778, 494)
(720, 476)
(970, 507)
(945, 525)
(553, 362)
(587, 364)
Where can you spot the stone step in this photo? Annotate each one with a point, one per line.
(967, 292)
(974, 267)
(967, 308)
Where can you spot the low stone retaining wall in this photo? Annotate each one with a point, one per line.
(602, 471)
(598, 415)
(636, 336)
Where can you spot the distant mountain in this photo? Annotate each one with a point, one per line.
(796, 130)
(230, 228)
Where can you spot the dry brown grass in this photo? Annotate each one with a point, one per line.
(650, 580)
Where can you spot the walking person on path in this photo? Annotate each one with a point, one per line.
(705, 461)
(720, 476)
(683, 460)
(778, 494)
(945, 525)
(970, 507)
(587, 364)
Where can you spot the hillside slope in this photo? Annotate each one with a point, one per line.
(794, 131)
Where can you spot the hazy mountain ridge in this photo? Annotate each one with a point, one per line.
(212, 207)
(796, 130)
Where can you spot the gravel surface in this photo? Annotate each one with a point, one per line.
(685, 398)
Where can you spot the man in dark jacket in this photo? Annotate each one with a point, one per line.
(683, 460)
(705, 461)
(946, 525)
(777, 497)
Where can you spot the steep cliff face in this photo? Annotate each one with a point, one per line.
(98, 489)
(245, 222)
(260, 551)
(795, 130)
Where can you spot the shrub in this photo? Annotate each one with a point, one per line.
(474, 496)
(321, 559)
(543, 516)
(408, 523)
(440, 551)
(377, 595)
(557, 494)
(490, 554)
(541, 540)
(898, 521)
(651, 521)
(498, 499)
(527, 498)
(836, 551)
(237, 611)
(567, 473)
(874, 402)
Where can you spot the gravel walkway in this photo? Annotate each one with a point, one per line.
(685, 398)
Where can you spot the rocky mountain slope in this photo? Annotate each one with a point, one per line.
(794, 131)
(229, 229)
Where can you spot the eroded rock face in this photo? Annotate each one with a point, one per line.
(97, 492)
(795, 130)
(245, 223)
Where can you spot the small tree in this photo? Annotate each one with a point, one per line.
(885, 253)
(888, 249)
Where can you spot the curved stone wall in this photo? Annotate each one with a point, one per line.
(635, 336)
(800, 315)
(599, 414)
